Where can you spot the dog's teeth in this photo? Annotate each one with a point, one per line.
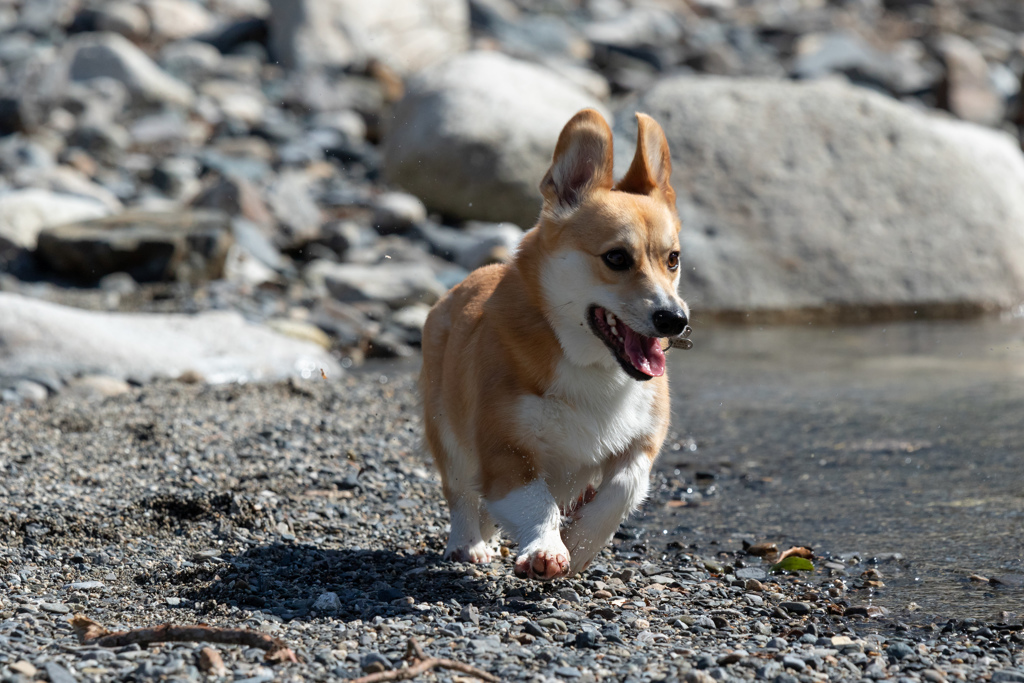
(615, 330)
(610, 318)
(621, 339)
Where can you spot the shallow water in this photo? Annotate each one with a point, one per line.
(903, 438)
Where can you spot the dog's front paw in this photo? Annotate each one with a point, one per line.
(475, 554)
(543, 562)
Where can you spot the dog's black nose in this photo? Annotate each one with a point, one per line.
(669, 323)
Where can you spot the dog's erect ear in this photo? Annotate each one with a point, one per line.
(582, 163)
(652, 165)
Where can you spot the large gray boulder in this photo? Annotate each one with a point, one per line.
(44, 340)
(474, 136)
(829, 197)
(407, 35)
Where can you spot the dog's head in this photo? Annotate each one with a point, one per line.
(611, 265)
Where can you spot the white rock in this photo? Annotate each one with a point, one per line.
(397, 211)
(123, 17)
(474, 136)
(177, 19)
(98, 386)
(25, 213)
(826, 196)
(327, 602)
(45, 338)
(396, 284)
(407, 35)
(95, 55)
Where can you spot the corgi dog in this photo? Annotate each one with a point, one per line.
(543, 383)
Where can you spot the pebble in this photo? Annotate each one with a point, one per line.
(798, 608)
(54, 607)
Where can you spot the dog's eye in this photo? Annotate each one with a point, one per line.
(673, 260)
(617, 259)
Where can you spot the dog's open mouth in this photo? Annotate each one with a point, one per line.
(640, 356)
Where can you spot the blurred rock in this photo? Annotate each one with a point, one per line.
(343, 236)
(298, 329)
(96, 55)
(190, 60)
(826, 196)
(42, 16)
(397, 212)
(123, 17)
(70, 181)
(236, 197)
(968, 91)
(292, 204)
(187, 246)
(236, 100)
(396, 284)
(24, 213)
(407, 35)
(94, 387)
(846, 53)
(40, 337)
(477, 244)
(474, 136)
(178, 19)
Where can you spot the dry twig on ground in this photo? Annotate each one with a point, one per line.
(89, 632)
(421, 663)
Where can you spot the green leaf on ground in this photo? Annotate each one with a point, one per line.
(792, 564)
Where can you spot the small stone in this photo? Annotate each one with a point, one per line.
(755, 573)
(587, 639)
(1007, 676)
(569, 595)
(327, 602)
(54, 607)
(556, 624)
(85, 585)
(795, 663)
(777, 644)
(567, 672)
(58, 674)
(374, 662)
(470, 615)
(397, 212)
(933, 676)
(24, 668)
(535, 629)
(211, 662)
(98, 386)
(798, 608)
(898, 651)
(762, 549)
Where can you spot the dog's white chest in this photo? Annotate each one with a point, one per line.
(587, 415)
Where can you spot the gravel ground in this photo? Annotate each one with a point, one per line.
(307, 511)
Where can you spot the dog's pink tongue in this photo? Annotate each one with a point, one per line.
(645, 353)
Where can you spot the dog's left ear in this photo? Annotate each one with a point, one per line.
(651, 169)
(582, 163)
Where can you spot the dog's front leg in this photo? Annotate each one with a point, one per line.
(530, 515)
(624, 487)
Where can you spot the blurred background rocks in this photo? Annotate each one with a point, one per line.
(326, 169)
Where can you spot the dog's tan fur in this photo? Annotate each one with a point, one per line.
(505, 368)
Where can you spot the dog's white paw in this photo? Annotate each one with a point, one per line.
(543, 561)
(478, 553)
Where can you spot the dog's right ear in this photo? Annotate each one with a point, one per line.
(582, 163)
